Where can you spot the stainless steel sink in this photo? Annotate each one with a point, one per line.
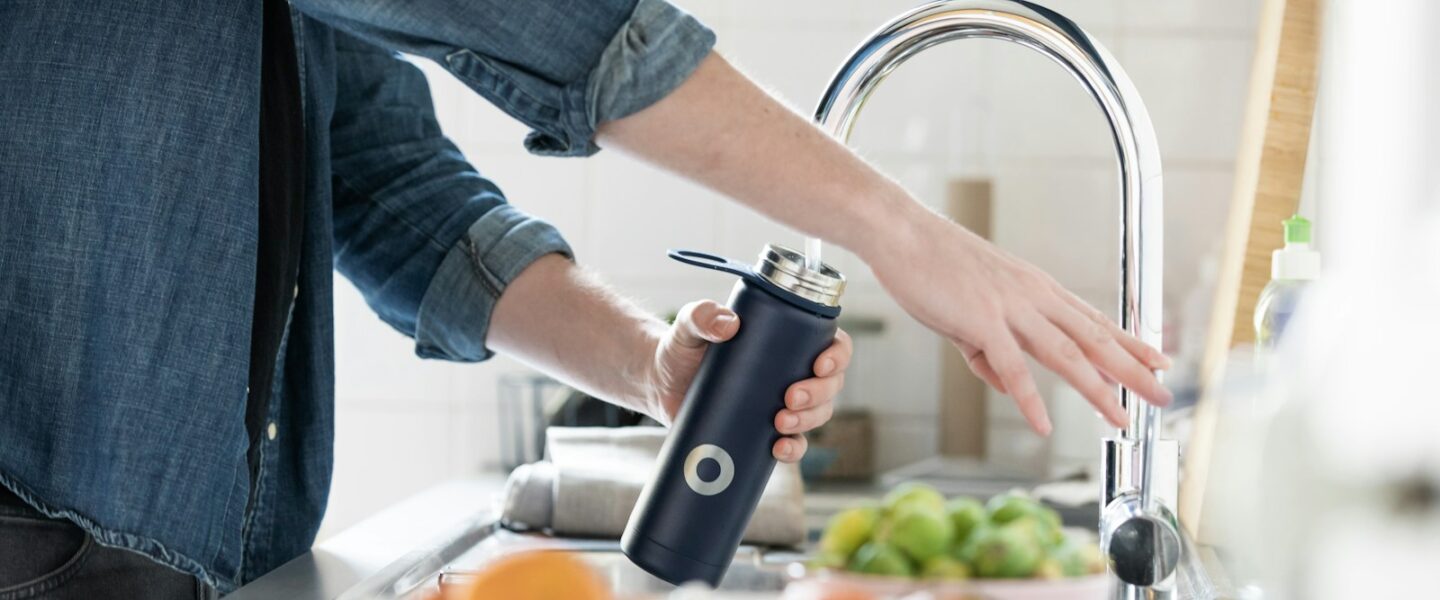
(453, 559)
(752, 571)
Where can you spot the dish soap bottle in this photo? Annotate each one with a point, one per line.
(1292, 268)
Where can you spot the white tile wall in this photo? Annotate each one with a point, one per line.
(1190, 18)
(1098, 17)
(385, 451)
(401, 423)
(1195, 90)
(793, 61)
(371, 356)
(1197, 204)
(639, 212)
(913, 114)
(1038, 110)
(979, 108)
(1064, 218)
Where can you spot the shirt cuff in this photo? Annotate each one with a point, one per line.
(651, 55)
(455, 312)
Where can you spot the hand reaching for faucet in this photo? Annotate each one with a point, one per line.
(722, 130)
(996, 308)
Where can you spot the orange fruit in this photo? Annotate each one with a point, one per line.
(541, 575)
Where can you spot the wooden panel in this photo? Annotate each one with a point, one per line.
(1269, 171)
(962, 395)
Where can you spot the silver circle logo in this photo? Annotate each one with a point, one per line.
(692, 469)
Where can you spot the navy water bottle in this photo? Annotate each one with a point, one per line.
(715, 464)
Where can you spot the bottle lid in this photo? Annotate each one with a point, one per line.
(1296, 261)
(1297, 230)
(787, 270)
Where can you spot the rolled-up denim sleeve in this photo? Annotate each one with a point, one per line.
(561, 67)
(429, 242)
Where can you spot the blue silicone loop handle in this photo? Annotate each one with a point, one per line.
(717, 263)
(744, 271)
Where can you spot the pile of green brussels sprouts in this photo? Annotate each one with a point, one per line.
(917, 533)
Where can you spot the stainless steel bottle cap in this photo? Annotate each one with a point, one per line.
(786, 269)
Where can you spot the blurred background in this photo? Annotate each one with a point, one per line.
(981, 119)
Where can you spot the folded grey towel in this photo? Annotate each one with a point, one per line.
(593, 476)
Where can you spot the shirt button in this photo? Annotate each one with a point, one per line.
(296, 292)
(272, 431)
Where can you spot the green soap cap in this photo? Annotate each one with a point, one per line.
(1297, 230)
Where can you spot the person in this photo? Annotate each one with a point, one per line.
(179, 183)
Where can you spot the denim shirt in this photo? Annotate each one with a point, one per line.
(128, 209)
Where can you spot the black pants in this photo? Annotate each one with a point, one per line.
(51, 559)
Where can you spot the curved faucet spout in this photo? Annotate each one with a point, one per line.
(1060, 39)
(1141, 201)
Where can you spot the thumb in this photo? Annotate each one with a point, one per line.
(704, 322)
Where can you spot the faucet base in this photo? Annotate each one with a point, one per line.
(1140, 539)
(1141, 544)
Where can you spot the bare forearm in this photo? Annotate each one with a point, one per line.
(559, 319)
(722, 130)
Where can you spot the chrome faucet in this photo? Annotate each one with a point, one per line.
(1138, 531)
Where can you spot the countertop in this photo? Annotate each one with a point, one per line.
(343, 560)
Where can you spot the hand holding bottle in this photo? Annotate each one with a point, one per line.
(808, 403)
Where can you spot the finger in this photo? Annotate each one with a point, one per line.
(790, 448)
(704, 321)
(800, 421)
(1003, 353)
(814, 392)
(980, 366)
(837, 356)
(1103, 350)
(1049, 345)
(1146, 353)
